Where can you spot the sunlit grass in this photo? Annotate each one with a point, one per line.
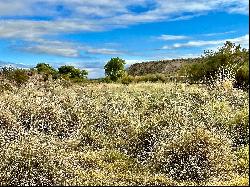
(55, 133)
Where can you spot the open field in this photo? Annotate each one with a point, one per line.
(53, 133)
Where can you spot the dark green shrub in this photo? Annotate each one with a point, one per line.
(45, 68)
(73, 72)
(157, 77)
(47, 71)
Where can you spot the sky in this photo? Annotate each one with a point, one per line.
(87, 34)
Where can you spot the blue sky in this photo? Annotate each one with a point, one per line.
(87, 34)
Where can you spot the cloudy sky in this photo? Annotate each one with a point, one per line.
(87, 33)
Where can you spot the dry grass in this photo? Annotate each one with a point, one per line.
(113, 134)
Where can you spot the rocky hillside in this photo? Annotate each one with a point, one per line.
(162, 66)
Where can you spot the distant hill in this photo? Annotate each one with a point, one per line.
(161, 66)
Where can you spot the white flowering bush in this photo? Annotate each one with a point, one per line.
(56, 133)
(194, 156)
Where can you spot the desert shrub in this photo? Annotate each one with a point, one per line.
(20, 77)
(42, 160)
(242, 77)
(5, 86)
(142, 146)
(73, 73)
(7, 120)
(107, 80)
(236, 180)
(66, 83)
(17, 76)
(242, 156)
(34, 160)
(127, 79)
(49, 121)
(9, 126)
(208, 67)
(194, 156)
(114, 134)
(239, 128)
(149, 78)
(89, 141)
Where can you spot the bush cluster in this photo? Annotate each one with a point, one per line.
(231, 59)
(66, 72)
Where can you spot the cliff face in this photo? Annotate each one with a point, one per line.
(162, 66)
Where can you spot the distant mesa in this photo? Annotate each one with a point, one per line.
(160, 66)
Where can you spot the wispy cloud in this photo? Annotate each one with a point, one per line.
(34, 20)
(33, 30)
(172, 37)
(243, 40)
(63, 51)
(103, 51)
(62, 48)
(83, 15)
(219, 33)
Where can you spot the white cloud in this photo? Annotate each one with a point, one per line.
(172, 37)
(84, 15)
(74, 16)
(219, 33)
(64, 51)
(243, 40)
(103, 51)
(51, 47)
(62, 48)
(32, 30)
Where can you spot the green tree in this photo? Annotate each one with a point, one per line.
(46, 70)
(43, 68)
(115, 69)
(73, 72)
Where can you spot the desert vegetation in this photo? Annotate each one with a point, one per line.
(57, 130)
